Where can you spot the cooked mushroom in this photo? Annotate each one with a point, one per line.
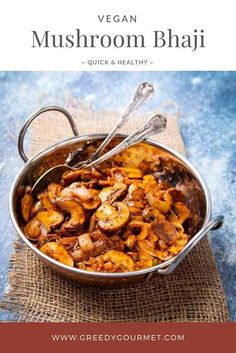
(85, 242)
(93, 202)
(92, 222)
(159, 199)
(45, 238)
(33, 229)
(118, 174)
(115, 243)
(136, 193)
(76, 211)
(130, 241)
(76, 190)
(68, 242)
(88, 175)
(124, 173)
(50, 219)
(164, 255)
(46, 202)
(112, 193)
(27, 202)
(179, 245)
(119, 259)
(138, 229)
(54, 190)
(175, 221)
(166, 231)
(112, 217)
(151, 213)
(144, 260)
(147, 246)
(38, 206)
(89, 198)
(57, 252)
(100, 242)
(133, 173)
(182, 210)
(71, 176)
(122, 216)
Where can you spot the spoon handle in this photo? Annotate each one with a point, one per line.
(156, 124)
(143, 93)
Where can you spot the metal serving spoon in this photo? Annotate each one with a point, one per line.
(143, 94)
(156, 124)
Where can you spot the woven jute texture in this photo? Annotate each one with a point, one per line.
(192, 293)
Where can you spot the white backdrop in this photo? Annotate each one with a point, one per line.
(19, 18)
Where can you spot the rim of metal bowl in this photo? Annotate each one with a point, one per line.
(71, 140)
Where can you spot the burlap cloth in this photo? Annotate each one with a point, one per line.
(192, 293)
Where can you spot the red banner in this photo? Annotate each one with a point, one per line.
(117, 337)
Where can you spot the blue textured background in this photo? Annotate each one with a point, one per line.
(207, 101)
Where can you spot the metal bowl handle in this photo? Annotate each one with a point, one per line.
(211, 225)
(35, 115)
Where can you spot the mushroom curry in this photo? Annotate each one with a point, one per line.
(121, 216)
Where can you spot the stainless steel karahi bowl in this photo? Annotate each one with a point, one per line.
(178, 170)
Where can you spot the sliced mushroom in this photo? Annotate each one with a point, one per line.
(27, 202)
(66, 192)
(50, 218)
(134, 210)
(85, 242)
(93, 202)
(54, 190)
(77, 190)
(45, 238)
(144, 260)
(119, 259)
(130, 241)
(38, 206)
(166, 231)
(112, 193)
(107, 182)
(124, 173)
(57, 252)
(116, 243)
(136, 193)
(133, 173)
(70, 177)
(118, 174)
(46, 202)
(33, 229)
(112, 217)
(179, 245)
(138, 229)
(69, 242)
(92, 223)
(75, 209)
(88, 175)
(147, 246)
(182, 211)
(100, 245)
(175, 221)
(151, 213)
(161, 200)
(100, 242)
(164, 255)
(88, 198)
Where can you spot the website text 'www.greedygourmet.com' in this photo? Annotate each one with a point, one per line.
(117, 337)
